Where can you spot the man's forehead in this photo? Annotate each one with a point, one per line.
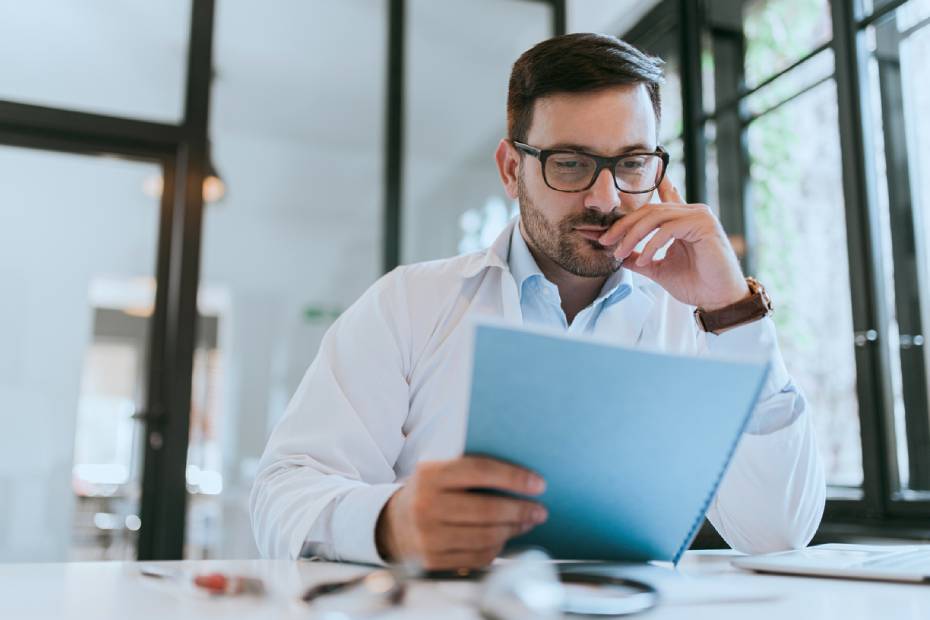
(606, 121)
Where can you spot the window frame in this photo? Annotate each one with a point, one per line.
(879, 507)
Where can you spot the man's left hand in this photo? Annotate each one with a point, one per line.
(700, 267)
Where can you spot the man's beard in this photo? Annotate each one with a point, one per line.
(566, 248)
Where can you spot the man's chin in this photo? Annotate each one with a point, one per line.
(592, 268)
(592, 260)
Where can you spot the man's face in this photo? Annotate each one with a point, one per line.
(564, 227)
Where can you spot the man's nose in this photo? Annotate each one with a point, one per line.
(603, 195)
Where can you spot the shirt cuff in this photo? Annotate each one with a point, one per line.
(354, 522)
(756, 341)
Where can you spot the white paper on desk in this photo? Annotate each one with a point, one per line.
(676, 588)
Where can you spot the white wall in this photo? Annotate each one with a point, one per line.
(608, 16)
(64, 219)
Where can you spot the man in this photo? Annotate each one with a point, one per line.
(366, 464)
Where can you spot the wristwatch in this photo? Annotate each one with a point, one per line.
(752, 308)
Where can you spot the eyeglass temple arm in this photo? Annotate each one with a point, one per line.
(526, 148)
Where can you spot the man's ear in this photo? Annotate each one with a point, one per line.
(508, 166)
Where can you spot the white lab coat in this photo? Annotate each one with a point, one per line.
(388, 389)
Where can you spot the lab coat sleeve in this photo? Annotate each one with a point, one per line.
(772, 496)
(328, 467)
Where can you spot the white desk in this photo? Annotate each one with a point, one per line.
(116, 591)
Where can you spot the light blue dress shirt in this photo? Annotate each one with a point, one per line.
(540, 300)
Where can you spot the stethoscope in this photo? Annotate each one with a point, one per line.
(586, 590)
(599, 594)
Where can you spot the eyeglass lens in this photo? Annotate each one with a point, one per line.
(575, 171)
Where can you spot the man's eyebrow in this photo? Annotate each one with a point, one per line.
(570, 146)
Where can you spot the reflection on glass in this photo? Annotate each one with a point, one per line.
(77, 253)
(126, 59)
(780, 32)
(108, 441)
(797, 220)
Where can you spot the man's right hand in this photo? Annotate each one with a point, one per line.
(437, 522)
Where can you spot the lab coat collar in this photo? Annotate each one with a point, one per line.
(494, 256)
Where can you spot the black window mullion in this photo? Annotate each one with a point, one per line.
(689, 16)
(33, 126)
(863, 230)
(904, 252)
(164, 493)
(725, 26)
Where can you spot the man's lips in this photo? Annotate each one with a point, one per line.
(591, 232)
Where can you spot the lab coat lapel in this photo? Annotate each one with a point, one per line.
(496, 257)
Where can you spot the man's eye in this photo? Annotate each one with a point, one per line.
(632, 164)
(571, 164)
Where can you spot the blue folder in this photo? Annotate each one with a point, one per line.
(632, 444)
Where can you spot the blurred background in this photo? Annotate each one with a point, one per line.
(192, 191)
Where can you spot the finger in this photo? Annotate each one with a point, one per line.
(646, 225)
(668, 192)
(649, 269)
(471, 472)
(475, 509)
(618, 229)
(475, 537)
(658, 241)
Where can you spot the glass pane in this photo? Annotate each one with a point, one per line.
(676, 163)
(780, 32)
(708, 86)
(456, 95)
(900, 105)
(125, 59)
(295, 238)
(911, 13)
(915, 51)
(798, 242)
(77, 253)
(806, 75)
(672, 122)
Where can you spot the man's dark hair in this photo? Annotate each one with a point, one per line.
(576, 63)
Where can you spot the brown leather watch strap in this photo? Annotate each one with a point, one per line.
(747, 310)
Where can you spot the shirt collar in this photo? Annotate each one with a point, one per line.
(525, 269)
(522, 264)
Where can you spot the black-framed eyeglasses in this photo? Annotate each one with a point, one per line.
(566, 170)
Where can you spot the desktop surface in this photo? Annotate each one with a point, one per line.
(705, 586)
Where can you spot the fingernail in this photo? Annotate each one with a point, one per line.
(540, 514)
(537, 484)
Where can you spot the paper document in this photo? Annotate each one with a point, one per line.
(632, 444)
